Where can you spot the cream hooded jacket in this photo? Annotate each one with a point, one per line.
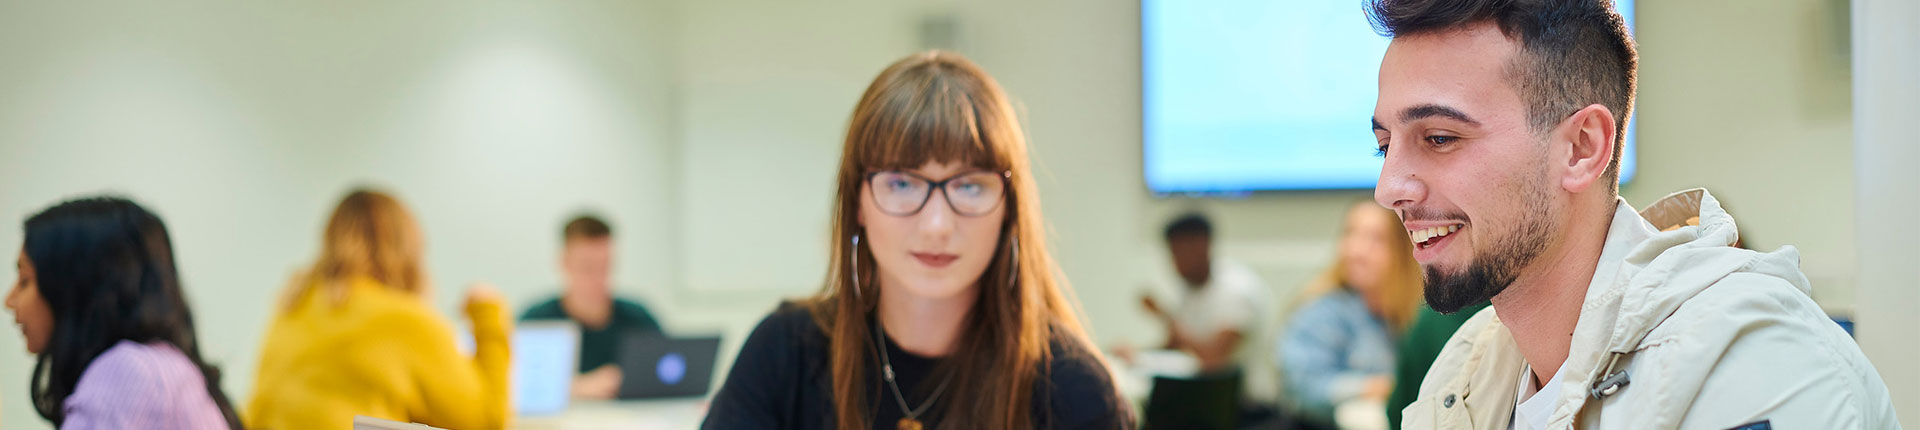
(1679, 330)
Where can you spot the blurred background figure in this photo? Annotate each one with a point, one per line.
(1223, 303)
(1339, 343)
(354, 335)
(99, 301)
(586, 261)
(1219, 319)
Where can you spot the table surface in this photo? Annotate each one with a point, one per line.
(1361, 414)
(677, 414)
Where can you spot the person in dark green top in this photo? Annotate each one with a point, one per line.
(1418, 349)
(586, 261)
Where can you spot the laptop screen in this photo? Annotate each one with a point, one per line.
(543, 366)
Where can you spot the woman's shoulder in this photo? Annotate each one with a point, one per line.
(130, 361)
(1332, 304)
(778, 377)
(370, 311)
(790, 325)
(364, 298)
(1074, 362)
(133, 376)
(382, 305)
(1081, 391)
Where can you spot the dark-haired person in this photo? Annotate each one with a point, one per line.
(586, 260)
(100, 302)
(1501, 124)
(943, 308)
(1222, 303)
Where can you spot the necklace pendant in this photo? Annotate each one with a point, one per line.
(910, 424)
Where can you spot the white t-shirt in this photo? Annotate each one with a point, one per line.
(1532, 408)
(1234, 298)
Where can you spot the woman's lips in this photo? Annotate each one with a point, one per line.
(935, 260)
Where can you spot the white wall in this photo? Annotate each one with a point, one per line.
(1886, 60)
(241, 124)
(1753, 103)
(766, 91)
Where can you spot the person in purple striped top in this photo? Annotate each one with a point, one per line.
(99, 300)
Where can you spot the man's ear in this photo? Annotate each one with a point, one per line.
(1588, 136)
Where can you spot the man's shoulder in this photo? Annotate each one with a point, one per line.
(1757, 343)
(1740, 304)
(631, 306)
(1239, 277)
(548, 309)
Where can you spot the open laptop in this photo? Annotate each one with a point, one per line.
(545, 354)
(654, 366)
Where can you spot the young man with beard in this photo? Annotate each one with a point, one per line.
(1501, 125)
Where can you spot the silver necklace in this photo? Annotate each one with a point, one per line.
(912, 419)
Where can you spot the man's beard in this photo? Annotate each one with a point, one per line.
(1491, 272)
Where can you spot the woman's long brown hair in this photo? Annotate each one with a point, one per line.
(1399, 285)
(939, 107)
(371, 236)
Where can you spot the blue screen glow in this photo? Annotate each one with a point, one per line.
(1247, 95)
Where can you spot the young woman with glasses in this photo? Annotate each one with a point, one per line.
(942, 308)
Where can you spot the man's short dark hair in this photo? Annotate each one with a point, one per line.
(1193, 224)
(585, 227)
(1573, 53)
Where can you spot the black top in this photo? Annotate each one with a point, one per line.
(600, 347)
(782, 379)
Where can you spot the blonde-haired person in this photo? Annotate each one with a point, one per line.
(942, 308)
(355, 335)
(1339, 343)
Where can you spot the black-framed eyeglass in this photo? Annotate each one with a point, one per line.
(972, 193)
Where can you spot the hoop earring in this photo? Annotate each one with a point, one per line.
(1013, 278)
(854, 255)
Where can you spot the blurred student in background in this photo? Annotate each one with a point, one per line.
(1223, 304)
(100, 302)
(943, 308)
(586, 260)
(1339, 344)
(355, 335)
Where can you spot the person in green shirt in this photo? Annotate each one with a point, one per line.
(1418, 349)
(586, 261)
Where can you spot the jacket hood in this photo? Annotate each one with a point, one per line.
(1646, 274)
(1667, 268)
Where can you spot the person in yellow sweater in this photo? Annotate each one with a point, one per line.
(355, 336)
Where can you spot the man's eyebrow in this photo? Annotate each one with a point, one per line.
(1425, 111)
(1377, 126)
